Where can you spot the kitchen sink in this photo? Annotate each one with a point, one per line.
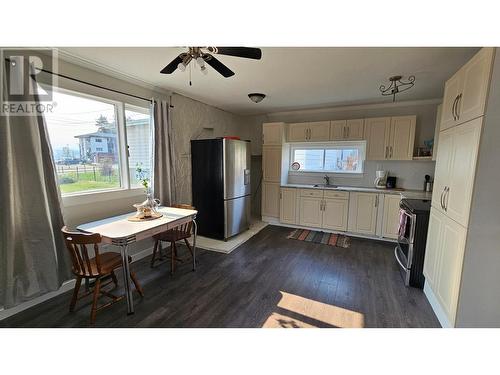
(326, 186)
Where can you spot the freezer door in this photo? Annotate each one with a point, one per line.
(236, 168)
(237, 216)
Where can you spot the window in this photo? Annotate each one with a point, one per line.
(335, 157)
(139, 135)
(87, 137)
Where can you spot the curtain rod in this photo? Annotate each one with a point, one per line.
(97, 86)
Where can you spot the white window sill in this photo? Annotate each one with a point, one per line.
(100, 196)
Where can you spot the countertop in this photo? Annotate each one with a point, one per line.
(406, 193)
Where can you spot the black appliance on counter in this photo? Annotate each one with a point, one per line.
(412, 237)
(391, 182)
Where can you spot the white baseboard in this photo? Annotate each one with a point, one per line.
(438, 310)
(67, 285)
(275, 221)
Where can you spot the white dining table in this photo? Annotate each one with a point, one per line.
(121, 232)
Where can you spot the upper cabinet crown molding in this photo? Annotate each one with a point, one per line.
(466, 91)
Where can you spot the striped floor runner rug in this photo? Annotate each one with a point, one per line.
(331, 239)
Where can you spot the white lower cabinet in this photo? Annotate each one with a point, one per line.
(271, 199)
(443, 261)
(390, 221)
(363, 209)
(288, 206)
(335, 212)
(310, 212)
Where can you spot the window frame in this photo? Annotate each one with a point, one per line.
(360, 145)
(125, 189)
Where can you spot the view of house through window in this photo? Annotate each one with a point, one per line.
(346, 157)
(137, 123)
(84, 135)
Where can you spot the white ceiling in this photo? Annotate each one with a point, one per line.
(292, 78)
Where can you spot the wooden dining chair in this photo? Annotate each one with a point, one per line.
(182, 232)
(97, 268)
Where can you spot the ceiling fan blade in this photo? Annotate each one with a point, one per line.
(220, 67)
(170, 68)
(246, 52)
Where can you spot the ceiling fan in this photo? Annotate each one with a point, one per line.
(204, 55)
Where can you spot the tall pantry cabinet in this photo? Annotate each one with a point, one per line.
(461, 123)
(273, 135)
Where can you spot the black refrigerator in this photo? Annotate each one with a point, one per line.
(220, 171)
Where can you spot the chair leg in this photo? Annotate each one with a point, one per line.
(136, 283)
(188, 246)
(172, 257)
(75, 294)
(113, 277)
(97, 288)
(155, 249)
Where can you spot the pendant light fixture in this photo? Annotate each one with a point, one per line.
(397, 86)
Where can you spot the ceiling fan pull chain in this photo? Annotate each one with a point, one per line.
(190, 70)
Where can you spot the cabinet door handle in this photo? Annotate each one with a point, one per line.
(441, 198)
(376, 200)
(390, 155)
(348, 132)
(446, 195)
(386, 150)
(454, 107)
(459, 104)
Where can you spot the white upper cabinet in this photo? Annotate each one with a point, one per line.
(338, 130)
(377, 135)
(363, 208)
(390, 138)
(455, 170)
(272, 133)
(402, 137)
(271, 163)
(309, 131)
(319, 131)
(476, 77)
(347, 129)
(298, 132)
(390, 221)
(466, 91)
(451, 92)
(436, 132)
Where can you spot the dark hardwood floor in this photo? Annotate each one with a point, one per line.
(244, 288)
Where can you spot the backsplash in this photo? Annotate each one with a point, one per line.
(410, 174)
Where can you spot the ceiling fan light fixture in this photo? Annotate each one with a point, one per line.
(256, 97)
(181, 67)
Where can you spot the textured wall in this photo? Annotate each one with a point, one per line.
(195, 120)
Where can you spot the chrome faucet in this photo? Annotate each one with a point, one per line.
(327, 180)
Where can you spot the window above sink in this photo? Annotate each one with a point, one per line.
(345, 157)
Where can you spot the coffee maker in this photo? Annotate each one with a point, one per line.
(381, 179)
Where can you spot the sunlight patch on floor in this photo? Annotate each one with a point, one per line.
(309, 309)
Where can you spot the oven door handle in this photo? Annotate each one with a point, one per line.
(397, 258)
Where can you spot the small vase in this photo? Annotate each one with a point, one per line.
(150, 201)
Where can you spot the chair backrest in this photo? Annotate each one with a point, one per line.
(76, 243)
(184, 228)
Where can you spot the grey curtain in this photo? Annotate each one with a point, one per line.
(164, 181)
(33, 258)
